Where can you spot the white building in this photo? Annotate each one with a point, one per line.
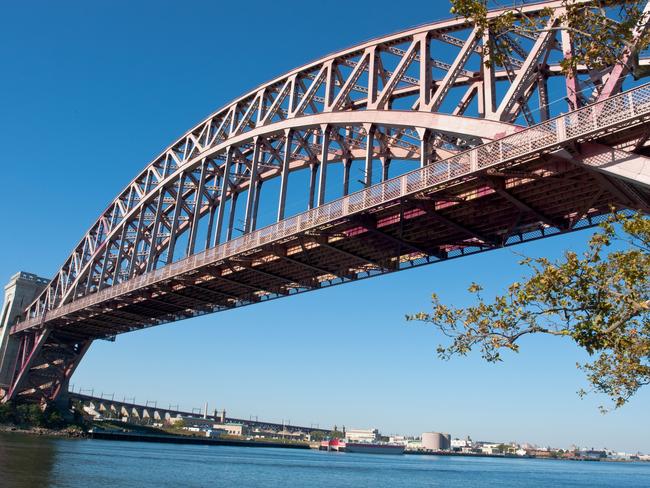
(398, 439)
(229, 428)
(460, 443)
(362, 435)
(490, 448)
(414, 445)
(201, 423)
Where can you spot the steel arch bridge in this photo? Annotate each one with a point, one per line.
(491, 162)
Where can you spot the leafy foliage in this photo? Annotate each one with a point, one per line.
(31, 415)
(318, 435)
(602, 30)
(600, 300)
(6, 413)
(337, 434)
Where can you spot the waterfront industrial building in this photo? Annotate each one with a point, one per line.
(362, 435)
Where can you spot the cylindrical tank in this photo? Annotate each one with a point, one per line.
(436, 441)
(447, 441)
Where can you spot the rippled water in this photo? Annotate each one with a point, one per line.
(37, 462)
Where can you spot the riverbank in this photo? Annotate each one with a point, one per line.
(467, 454)
(184, 439)
(74, 432)
(69, 432)
(142, 434)
(526, 456)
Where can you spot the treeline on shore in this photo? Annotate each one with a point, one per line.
(31, 415)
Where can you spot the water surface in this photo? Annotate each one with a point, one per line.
(27, 462)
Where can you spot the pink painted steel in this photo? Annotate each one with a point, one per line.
(377, 100)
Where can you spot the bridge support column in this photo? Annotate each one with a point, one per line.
(347, 163)
(231, 217)
(284, 178)
(313, 168)
(252, 187)
(225, 183)
(370, 140)
(19, 292)
(256, 205)
(425, 152)
(385, 167)
(322, 181)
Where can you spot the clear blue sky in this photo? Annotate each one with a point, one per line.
(92, 91)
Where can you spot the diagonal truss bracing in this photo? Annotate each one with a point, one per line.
(426, 96)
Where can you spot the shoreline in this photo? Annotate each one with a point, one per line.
(502, 456)
(181, 439)
(69, 433)
(135, 437)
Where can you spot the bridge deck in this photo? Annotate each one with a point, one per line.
(501, 208)
(518, 188)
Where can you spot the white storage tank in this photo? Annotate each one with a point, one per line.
(436, 441)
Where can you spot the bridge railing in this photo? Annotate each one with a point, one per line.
(584, 123)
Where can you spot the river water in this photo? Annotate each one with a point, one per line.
(27, 462)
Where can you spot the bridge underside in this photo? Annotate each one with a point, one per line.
(470, 218)
(502, 207)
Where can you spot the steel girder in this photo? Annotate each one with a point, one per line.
(387, 99)
(350, 93)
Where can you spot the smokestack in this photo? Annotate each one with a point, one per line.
(205, 411)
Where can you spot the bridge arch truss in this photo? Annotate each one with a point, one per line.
(492, 162)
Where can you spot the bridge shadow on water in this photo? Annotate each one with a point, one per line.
(27, 461)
